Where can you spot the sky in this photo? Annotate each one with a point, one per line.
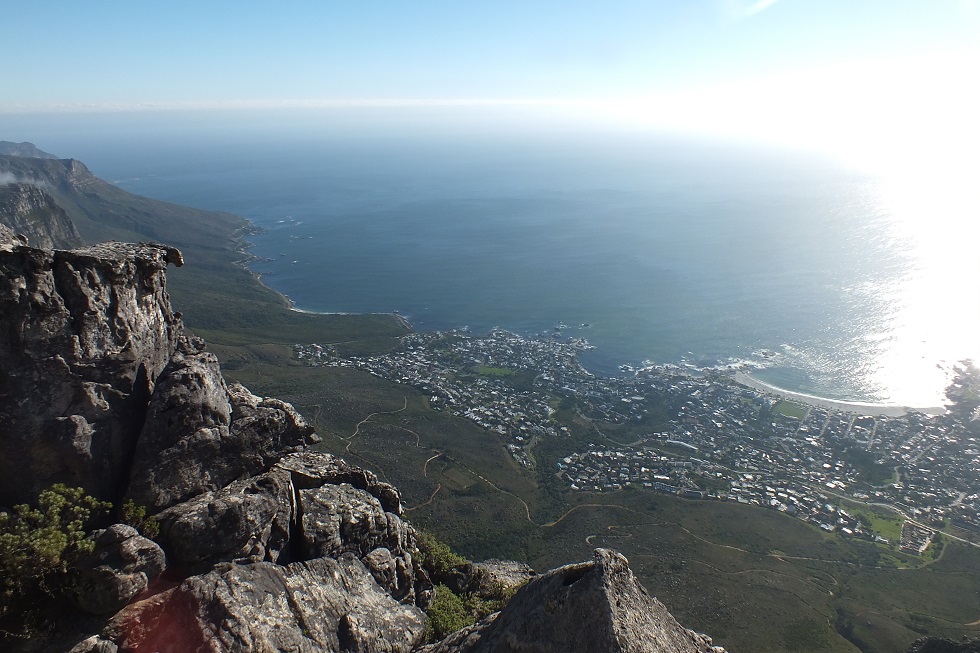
(839, 73)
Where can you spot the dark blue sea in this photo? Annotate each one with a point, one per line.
(655, 248)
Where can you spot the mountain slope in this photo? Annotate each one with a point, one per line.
(220, 298)
(27, 210)
(24, 149)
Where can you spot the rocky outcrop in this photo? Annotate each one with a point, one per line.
(247, 521)
(201, 435)
(339, 519)
(312, 470)
(268, 546)
(84, 334)
(485, 579)
(27, 210)
(934, 645)
(593, 606)
(320, 605)
(121, 566)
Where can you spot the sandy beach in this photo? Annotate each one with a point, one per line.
(856, 407)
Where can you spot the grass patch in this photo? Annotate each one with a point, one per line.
(884, 522)
(496, 371)
(790, 409)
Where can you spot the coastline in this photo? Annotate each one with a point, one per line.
(870, 409)
(399, 319)
(855, 407)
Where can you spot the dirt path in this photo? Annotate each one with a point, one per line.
(357, 429)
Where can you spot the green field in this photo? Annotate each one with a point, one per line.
(496, 371)
(790, 409)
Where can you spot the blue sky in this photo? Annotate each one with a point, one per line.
(71, 53)
(769, 68)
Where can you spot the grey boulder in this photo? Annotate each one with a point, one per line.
(594, 606)
(120, 567)
(308, 607)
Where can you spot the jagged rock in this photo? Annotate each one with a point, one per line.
(248, 520)
(201, 435)
(338, 519)
(84, 334)
(485, 579)
(28, 210)
(934, 645)
(313, 606)
(592, 606)
(9, 240)
(505, 573)
(394, 573)
(121, 566)
(95, 644)
(314, 469)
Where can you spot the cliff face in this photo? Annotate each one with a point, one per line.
(84, 334)
(27, 210)
(263, 544)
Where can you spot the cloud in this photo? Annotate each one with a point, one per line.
(7, 178)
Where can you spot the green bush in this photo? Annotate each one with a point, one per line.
(135, 516)
(436, 556)
(447, 614)
(37, 543)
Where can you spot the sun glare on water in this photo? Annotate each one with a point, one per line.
(910, 124)
(935, 319)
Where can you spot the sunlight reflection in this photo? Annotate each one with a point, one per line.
(935, 319)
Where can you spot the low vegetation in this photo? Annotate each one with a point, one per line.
(436, 556)
(463, 593)
(447, 614)
(135, 516)
(37, 544)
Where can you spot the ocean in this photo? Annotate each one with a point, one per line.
(656, 248)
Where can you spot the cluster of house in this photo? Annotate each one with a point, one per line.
(467, 376)
(722, 440)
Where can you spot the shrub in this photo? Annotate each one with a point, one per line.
(135, 516)
(37, 543)
(436, 556)
(447, 614)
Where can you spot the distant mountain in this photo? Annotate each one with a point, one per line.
(29, 211)
(220, 298)
(24, 149)
(103, 212)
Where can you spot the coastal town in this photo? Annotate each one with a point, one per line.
(697, 434)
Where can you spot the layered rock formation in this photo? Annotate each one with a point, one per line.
(84, 334)
(263, 544)
(31, 212)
